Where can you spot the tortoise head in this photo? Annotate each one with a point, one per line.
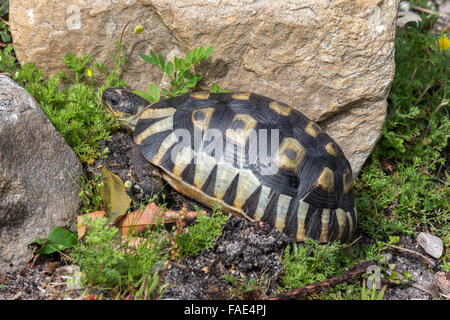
(124, 105)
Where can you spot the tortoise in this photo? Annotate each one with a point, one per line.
(247, 154)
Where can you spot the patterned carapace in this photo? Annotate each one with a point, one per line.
(309, 195)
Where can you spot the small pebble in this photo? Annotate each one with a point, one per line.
(404, 6)
(431, 244)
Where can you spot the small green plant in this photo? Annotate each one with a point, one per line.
(113, 78)
(395, 278)
(200, 236)
(404, 184)
(5, 35)
(8, 63)
(374, 295)
(179, 73)
(312, 262)
(247, 287)
(446, 266)
(72, 100)
(75, 110)
(129, 265)
(90, 193)
(215, 89)
(79, 67)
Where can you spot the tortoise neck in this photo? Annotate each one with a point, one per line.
(130, 121)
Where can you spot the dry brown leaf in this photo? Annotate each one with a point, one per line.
(51, 266)
(140, 219)
(171, 216)
(81, 228)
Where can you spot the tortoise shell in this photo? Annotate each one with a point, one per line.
(252, 156)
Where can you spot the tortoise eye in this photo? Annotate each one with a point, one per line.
(114, 100)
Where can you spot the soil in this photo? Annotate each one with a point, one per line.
(244, 250)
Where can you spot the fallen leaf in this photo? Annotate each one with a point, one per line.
(139, 220)
(81, 228)
(114, 193)
(171, 216)
(59, 239)
(51, 266)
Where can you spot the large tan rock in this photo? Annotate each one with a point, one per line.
(332, 60)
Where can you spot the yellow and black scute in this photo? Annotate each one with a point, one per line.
(252, 156)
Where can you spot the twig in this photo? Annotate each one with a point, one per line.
(431, 12)
(422, 287)
(349, 245)
(17, 295)
(444, 102)
(5, 22)
(417, 254)
(178, 265)
(163, 274)
(413, 75)
(56, 284)
(425, 288)
(320, 286)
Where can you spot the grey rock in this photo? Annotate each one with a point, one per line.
(36, 192)
(431, 244)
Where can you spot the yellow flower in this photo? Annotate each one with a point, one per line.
(138, 29)
(443, 43)
(89, 72)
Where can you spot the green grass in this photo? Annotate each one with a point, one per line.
(5, 35)
(110, 262)
(311, 262)
(403, 188)
(247, 288)
(72, 101)
(201, 236)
